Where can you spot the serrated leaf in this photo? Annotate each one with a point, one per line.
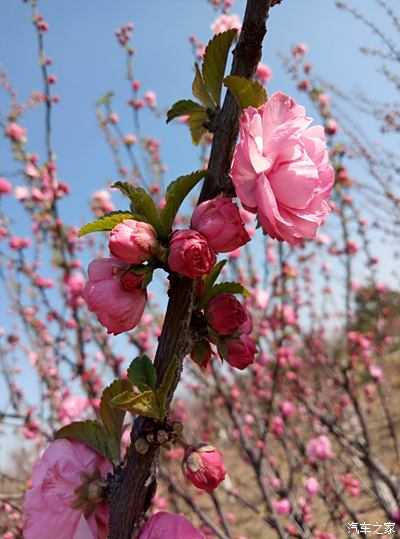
(248, 93)
(196, 123)
(142, 204)
(176, 193)
(183, 107)
(106, 222)
(214, 63)
(142, 373)
(214, 274)
(163, 389)
(89, 432)
(222, 288)
(145, 404)
(113, 418)
(200, 91)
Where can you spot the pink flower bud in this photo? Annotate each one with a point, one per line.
(203, 467)
(226, 315)
(5, 186)
(282, 507)
(190, 254)
(150, 99)
(240, 352)
(133, 242)
(16, 132)
(219, 221)
(312, 486)
(110, 294)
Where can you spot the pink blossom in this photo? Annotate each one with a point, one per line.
(150, 99)
(114, 295)
(281, 169)
(226, 315)
(190, 254)
(277, 425)
(240, 352)
(71, 408)
(319, 448)
(263, 73)
(312, 486)
(376, 372)
(226, 22)
(203, 467)
(282, 507)
(299, 50)
(219, 221)
(169, 526)
(288, 408)
(50, 509)
(16, 132)
(133, 242)
(5, 186)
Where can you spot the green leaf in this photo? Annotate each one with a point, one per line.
(183, 107)
(176, 193)
(106, 222)
(196, 123)
(200, 91)
(142, 373)
(163, 390)
(214, 274)
(89, 432)
(145, 404)
(248, 93)
(142, 204)
(214, 63)
(222, 288)
(113, 418)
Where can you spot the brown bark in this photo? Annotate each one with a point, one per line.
(131, 492)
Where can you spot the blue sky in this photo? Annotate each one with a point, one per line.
(88, 62)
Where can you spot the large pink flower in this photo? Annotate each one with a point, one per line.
(50, 507)
(281, 169)
(168, 526)
(115, 295)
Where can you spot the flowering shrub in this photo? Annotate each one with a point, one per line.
(296, 425)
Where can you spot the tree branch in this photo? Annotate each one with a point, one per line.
(130, 497)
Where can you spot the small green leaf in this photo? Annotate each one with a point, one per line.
(106, 222)
(214, 63)
(113, 418)
(248, 93)
(163, 389)
(183, 107)
(177, 191)
(89, 432)
(222, 348)
(214, 274)
(105, 100)
(222, 288)
(197, 121)
(145, 404)
(200, 91)
(142, 204)
(142, 373)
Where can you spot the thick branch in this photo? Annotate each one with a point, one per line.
(130, 498)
